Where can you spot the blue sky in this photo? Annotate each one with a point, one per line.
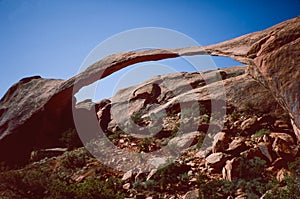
(51, 38)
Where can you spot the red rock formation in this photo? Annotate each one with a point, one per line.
(35, 110)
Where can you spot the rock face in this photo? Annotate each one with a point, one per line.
(35, 111)
(273, 58)
(27, 122)
(191, 89)
(277, 59)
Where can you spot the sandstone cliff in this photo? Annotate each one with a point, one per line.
(272, 56)
(257, 139)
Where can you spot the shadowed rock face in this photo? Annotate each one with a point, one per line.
(29, 121)
(34, 110)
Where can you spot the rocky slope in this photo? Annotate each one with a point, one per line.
(249, 157)
(259, 134)
(256, 132)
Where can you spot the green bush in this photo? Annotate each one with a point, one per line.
(169, 175)
(262, 132)
(251, 168)
(214, 189)
(4, 166)
(70, 139)
(166, 179)
(248, 108)
(289, 188)
(144, 144)
(200, 140)
(235, 115)
(137, 117)
(32, 183)
(90, 188)
(250, 179)
(115, 135)
(39, 181)
(76, 159)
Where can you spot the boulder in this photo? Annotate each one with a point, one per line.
(127, 175)
(281, 124)
(283, 136)
(220, 142)
(265, 149)
(241, 195)
(184, 141)
(43, 153)
(194, 194)
(237, 145)
(126, 186)
(249, 124)
(283, 148)
(282, 174)
(203, 153)
(103, 114)
(227, 170)
(216, 161)
(125, 108)
(254, 152)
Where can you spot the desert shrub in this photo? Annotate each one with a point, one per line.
(248, 108)
(149, 185)
(294, 166)
(220, 188)
(4, 166)
(70, 139)
(76, 159)
(11, 180)
(40, 182)
(235, 74)
(35, 183)
(32, 183)
(115, 135)
(251, 168)
(235, 116)
(200, 140)
(289, 188)
(250, 180)
(170, 175)
(145, 144)
(137, 117)
(167, 178)
(252, 187)
(90, 188)
(261, 133)
(214, 188)
(285, 117)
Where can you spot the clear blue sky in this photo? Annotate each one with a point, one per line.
(51, 38)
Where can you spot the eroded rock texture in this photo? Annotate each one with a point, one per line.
(35, 110)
